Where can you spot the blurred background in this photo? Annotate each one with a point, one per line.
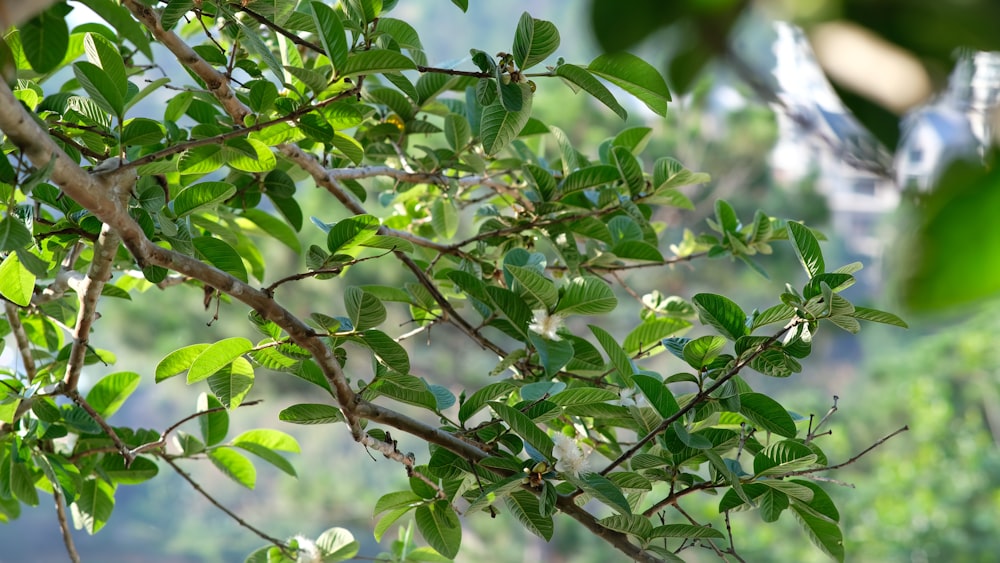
(914, 85)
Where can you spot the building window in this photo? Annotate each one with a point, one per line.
(864, 186)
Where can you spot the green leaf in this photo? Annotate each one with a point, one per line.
(586, 296)
(141, 131)
(481, 397)
(633, 524)
(524, 506)
(215, 425)
(45, 40)
(100, 87)
(101, 52)
(806, 248)
(351, 232)
(363, 308)
(331, 34)
(93, 506)
(582, 396)
(534, 40)
(498, 127)
(386, 350)
(202, 196)
(767, 414)
(783, 456)
(636, 77)
(232, 383)
(874, 315)
(538, 288)
(275, 228)
(142, 469)
(553, 354)
(174, 12)
(776, 314)
(649, 333)
(444, 217)
(201, 160)
(108, 395)
(439, 525)
(337, 544)
(398, 499)
(377, 61)
(13, 234)
(619, 358)
(311, 413)
(237, 153)
(525, 428)
(825, 534)
(22, 483)
(221, 255)
(722, 314)
(658, 394)
(582, 78)
(686, 531)
(821, 501)
(17, 284)
(670, 173)
(589, 177)
(251, 40)
(457, 131)
(234, 465)
(605, 491)
(216, 356)
(178, 361)
(700, 352)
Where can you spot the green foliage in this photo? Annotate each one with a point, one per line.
(492, 226)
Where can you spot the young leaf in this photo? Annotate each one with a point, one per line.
(540, 290)
(874, 315)
(658, 394)
(202, 196)
(700, 352)
(534, 40)
(364, 309)
(351, 232)
(481, 397)
(582, 78)
(636, 77)
(825, 534)
(337, 544)
(100, 87)
(619, 358)
(232, 383)
(605, 491)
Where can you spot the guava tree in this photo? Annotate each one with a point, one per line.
(509, 237)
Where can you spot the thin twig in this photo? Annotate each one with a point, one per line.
(881, 441)
(194, 484)
(123, 448)
(67, 537)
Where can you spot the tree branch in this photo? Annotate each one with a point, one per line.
(67, 537)
(21, 338)
(90, 292)
(215, 81)
(17, 12)
(122, 446)
(858, 456)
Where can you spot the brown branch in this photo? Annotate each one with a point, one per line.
(90, 289)
(215, 81)
(389, 448)
(453, 72)
(21, 338)
(278, 29)
(67, 537)
(194, 484)
(123, 448)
